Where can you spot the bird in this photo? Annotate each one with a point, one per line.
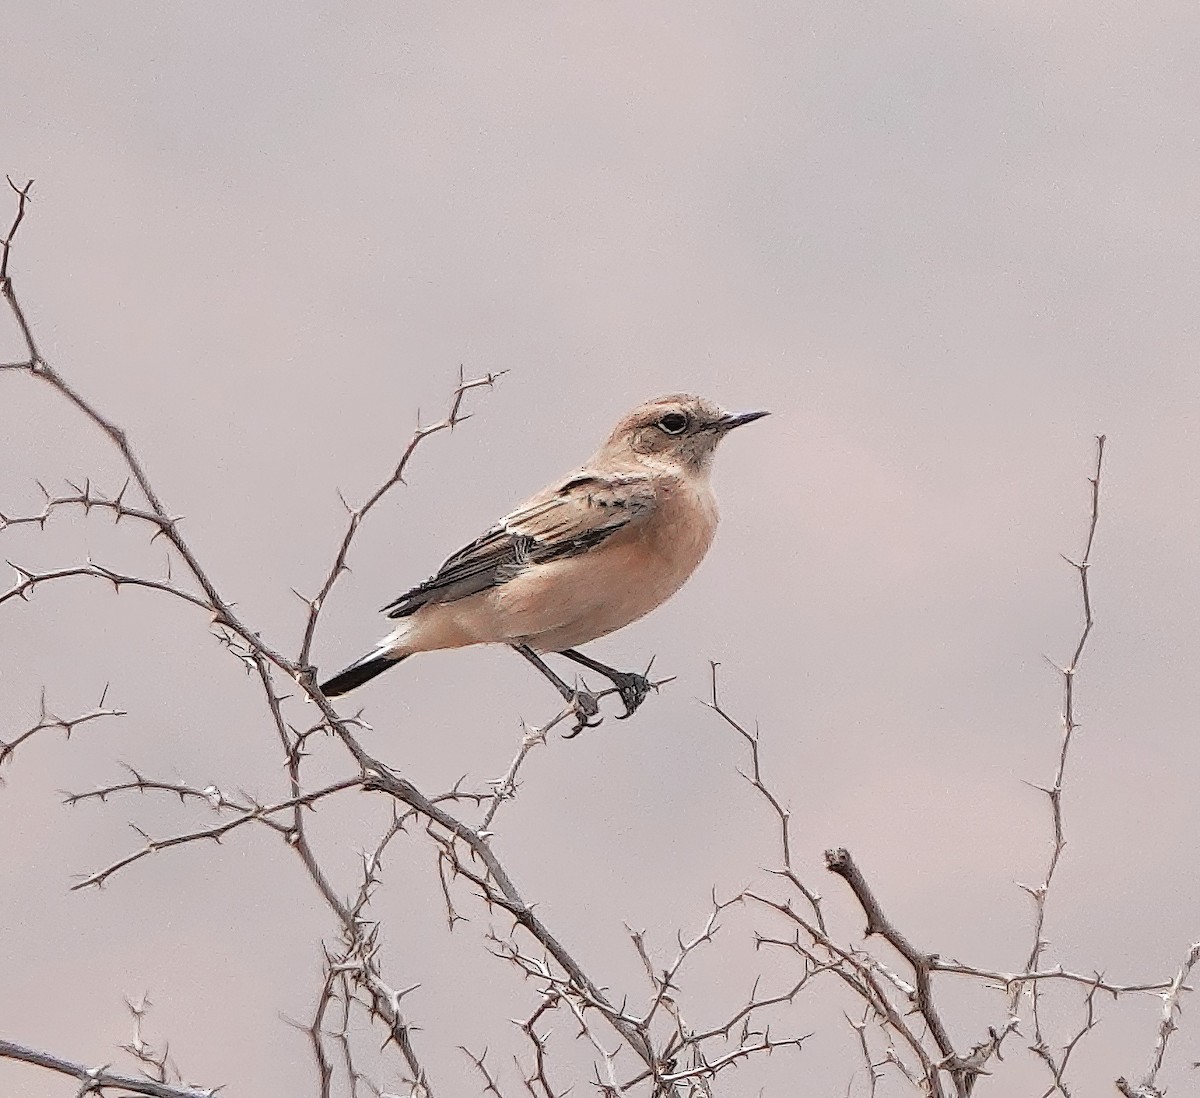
(589, 554)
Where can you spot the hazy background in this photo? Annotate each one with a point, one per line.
(945, 244)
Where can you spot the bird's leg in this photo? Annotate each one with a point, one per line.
(632, 687)
(583, 701)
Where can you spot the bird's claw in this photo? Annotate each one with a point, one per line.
(632, 689)
(586, 705)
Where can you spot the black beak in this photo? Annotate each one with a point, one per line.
(739, 419)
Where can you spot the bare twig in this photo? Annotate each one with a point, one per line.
(454, 416)
(861, 974)
(755, 778)
(6, 287)
(211, 795)
(215, 833)
(480, 1062)
(1054, 793)
(23, 200)
(1058, 973)
(505, 788)
(1148, 1087)
(1069, 726)
(98, 1079)
(89, 499)
(28, 581)
(840, 862)
(865, 975)
(538, 1075)
(497, 889)
(316, 1033)
(156, 1064)
(48, 721)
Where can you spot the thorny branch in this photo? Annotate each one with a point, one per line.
(453, 417)
(480, 1062)
(909, 1036)
(96, 1080)
(156, 1063)
(1148, 1087)
(257, 814)
(1007, 979)
(505, 787)
(28, 580)
(88, 498)
(864, 976)
(1040, 893)
(755, 778)
(48, 721)
(6, 289)
(840, 862)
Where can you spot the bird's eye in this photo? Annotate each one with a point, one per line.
(674, 423)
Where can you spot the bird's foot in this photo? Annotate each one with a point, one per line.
(632, 689)
(586, 706)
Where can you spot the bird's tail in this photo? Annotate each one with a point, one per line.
(360, 671)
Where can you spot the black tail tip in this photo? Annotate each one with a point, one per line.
(357, 673)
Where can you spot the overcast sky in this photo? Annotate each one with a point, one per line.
(945, 244)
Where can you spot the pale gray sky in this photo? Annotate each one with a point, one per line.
(945, 244)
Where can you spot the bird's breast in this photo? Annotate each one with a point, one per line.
(677, 536)
(630, 574)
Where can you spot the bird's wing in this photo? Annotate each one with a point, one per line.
(564, 521)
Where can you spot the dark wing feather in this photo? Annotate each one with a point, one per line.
(565, 521)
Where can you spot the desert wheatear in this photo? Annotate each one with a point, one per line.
(582, 558)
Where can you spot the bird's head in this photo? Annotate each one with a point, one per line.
(680, 429)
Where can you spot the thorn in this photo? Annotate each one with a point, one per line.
(310, 603)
